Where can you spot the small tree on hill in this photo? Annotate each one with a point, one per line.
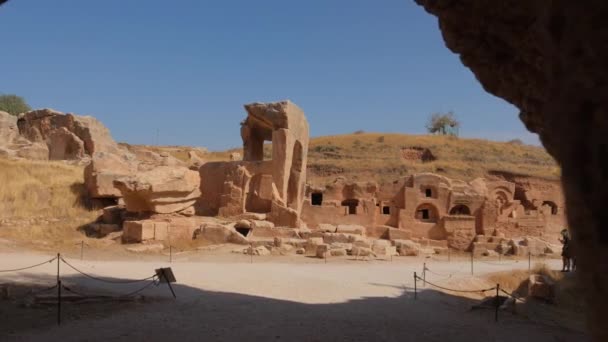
(13, 104)
(443, 124)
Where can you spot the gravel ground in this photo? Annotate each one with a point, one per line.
(225, 297)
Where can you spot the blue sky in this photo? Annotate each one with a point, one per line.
(186, 67)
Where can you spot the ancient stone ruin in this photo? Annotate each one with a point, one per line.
(261, 196)
(274, 187)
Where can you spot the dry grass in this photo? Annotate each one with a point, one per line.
(42, 200)
(377, 156)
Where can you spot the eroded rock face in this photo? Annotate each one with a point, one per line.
(8, 128)
(65, 145)
(162, 190)
(103, 170)
(549, 59)
(39, 125)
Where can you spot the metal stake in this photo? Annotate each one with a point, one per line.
(471, 262)
(424, 275)
(168, 283)
(415, 286)
(58, 291)
(497, 300)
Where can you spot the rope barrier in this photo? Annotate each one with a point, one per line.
(439, 274)
(512, 295)
(513, 262)
(453, 290)
(28, 267)
(129, 294)
(106, 280)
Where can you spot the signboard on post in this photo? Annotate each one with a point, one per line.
(165, 275)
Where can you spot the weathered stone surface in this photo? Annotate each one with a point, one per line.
(259, 251)
(350, 229)
(407, 247)
(329, 228)
(252, 216)
(337, 252)
(137, 231)
(162, 190)
(103, 170)
(214, 233)
(256, 224)
(8, 129)
(173, 228)
(322, 251)
(399, 234)
(362, 252)
(65, 145)
(339, 237)
(244, 224)
(39, 126)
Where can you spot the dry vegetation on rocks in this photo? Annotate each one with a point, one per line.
(378, 156)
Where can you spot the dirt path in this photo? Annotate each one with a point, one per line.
(290, 299)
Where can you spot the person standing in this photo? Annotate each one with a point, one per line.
(566, 250)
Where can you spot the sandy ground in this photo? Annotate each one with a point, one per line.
(225, 297)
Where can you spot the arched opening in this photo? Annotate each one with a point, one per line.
(316, 198)
(427, 213)
(258, 199)
(460, 209)
(552, 206)
(352, 205)
(295, 172)
(500, 200)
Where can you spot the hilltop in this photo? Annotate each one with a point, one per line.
(386, 157)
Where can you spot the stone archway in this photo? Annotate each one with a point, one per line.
(427, 212)
(460, 209)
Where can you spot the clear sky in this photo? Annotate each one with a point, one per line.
(186, 67)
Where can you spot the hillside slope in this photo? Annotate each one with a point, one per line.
(386, 157)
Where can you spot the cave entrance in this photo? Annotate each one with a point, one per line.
(243, 231)
(352, 205)
(316, 198)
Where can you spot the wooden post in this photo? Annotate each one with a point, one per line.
(415, 286)
(497, 302)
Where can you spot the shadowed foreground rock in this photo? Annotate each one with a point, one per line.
(549, 59)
